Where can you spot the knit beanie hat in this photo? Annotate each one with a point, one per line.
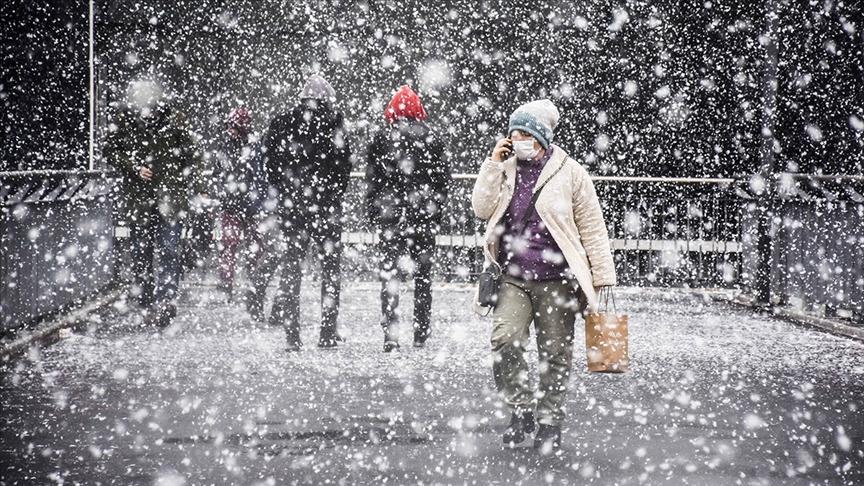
(240, 120)
(539, 118)
(405, 103)
(318, 88)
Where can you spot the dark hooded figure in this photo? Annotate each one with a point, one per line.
(407, 175)
(152, 145)
(307, 162)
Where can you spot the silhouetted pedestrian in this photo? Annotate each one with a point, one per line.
(407, 174)
(152, 145)
(237, 177)
(307, 161)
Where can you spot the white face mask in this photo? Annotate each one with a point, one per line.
(525, 149)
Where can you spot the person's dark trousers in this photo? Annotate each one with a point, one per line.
(326, 235)
(198, 244)
(273, 248)
(237, 229)
(155, 283)
(420, 247)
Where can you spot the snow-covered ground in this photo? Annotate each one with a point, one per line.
(715, 395)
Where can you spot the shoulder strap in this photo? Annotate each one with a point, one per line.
(530, 209)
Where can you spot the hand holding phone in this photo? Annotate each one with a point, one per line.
(504, 149)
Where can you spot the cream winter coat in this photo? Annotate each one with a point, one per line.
(569, 208)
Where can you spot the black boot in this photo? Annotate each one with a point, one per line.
(390, 341)
(548, 438)
(169, 312)
(328, 338)
(255, 305)
(520, 424)
(279, 310)
(292, 337)
(161, 315)
(227, 289)
(421, 335)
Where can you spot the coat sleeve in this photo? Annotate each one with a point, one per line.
(271, 156)
(487, 189)
(341, 155)
(193, 162)
(592, 229)
(441, 179)
(116, 152)
(375, 174)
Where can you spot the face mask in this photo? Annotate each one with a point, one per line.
(525, 149)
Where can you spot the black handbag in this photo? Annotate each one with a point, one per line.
(490, 278)
(487, 286)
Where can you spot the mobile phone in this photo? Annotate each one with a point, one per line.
(508, 150)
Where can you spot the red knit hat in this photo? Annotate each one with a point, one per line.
(240, 120)
(405, 103)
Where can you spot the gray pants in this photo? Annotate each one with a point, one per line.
(552, 305)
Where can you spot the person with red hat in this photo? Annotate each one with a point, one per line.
(407, 174)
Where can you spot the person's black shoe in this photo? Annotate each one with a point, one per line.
(254, 306)
(329, 339)
(548, 438)
(161, 315)
(390, 341)
(327, 343)
(520, 424)
(150, 317)
(292, 337)
(226, 288)
(420, 337)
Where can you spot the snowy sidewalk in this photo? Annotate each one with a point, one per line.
(715, 396)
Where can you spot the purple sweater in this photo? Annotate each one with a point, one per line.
(535, 256)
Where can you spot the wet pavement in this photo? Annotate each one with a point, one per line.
(715, 396)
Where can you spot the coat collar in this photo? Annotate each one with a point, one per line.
(555, 162)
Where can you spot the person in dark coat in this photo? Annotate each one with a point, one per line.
(239, 194)
(152, 145)
(307, 162)
(407, 174)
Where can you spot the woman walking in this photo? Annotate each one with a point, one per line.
(552, 263)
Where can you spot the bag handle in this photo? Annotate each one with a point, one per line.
(606, 294)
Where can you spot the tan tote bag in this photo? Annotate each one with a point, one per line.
(606, 337)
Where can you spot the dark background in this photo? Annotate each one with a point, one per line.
(660, 88)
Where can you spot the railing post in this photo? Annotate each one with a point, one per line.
(766, 192)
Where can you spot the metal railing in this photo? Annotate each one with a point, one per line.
(812, 247)
(57, 242)
(59, 239)
(663, 231)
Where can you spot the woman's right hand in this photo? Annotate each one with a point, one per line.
(504, 146)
